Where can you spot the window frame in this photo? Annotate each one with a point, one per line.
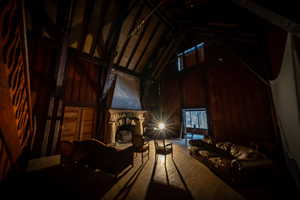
(180, 56)
(189, 110)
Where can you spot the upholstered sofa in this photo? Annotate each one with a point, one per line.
(234, 163)
(97, 155)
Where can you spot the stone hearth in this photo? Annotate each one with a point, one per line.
(113, 122)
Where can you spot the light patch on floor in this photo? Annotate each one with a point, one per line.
(182, 177)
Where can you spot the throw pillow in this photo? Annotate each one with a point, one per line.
(238, 150)
(224, 145)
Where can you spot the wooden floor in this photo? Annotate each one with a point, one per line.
(180, 178)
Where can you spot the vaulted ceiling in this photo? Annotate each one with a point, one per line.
(151, 31)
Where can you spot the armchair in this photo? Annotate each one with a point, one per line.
(97, 155)
(163, 149)
(140, 145)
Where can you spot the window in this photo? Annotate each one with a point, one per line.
(190, 57)
(180, 63)
(195, 118)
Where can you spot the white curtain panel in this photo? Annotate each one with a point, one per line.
(286, 94)
(127, 92)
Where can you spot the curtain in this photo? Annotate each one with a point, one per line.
(285, 91)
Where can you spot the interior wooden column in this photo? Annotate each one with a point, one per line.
(55, 109)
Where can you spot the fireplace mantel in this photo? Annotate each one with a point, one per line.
(112, 110)
(114, 115)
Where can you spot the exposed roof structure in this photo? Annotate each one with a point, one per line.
(149, 32)
(102, 72)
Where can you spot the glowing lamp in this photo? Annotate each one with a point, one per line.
(161, 126)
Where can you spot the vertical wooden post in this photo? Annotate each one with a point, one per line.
(106, 72)
(55, 112)
(58, 120)
(47, 127)
(81, 128)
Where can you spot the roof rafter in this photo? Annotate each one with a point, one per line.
(167, 60)
(90, 4)
(101, 62)
(160, 16)
(269, 15)
(154, 58)
(109, 44)
(146, 26)
(136, 17)
(99, 30)
(164, 56)
(155, 30)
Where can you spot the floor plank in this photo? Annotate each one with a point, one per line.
(181, 177)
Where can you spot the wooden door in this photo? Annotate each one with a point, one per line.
(78, 123)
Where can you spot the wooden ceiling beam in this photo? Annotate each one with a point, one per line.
(101, 62)
(136, 17)
(153, 56)
(90, 4)
(269, 15)
(155, 30)
(167, 60)
(109, 46)
(141, 36)
(208, 29)
(160, 16)
(165, 54)
(99, 30)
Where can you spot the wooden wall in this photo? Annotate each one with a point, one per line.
(193, 86)
(80, 90)
(186, 89)
(80, 98)
(171, 102)
(5, 160)
(15, 106)
(78, 123)
(81, 82)
(238, 103)
(43, 57)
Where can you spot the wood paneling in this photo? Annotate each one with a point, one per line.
(14, 88)
(194, 88)
(5, 161)
(183, 90)
(194, 58)
(171, 100)
(78, 123)
(238, 103)
(81, 83)
(43, 57)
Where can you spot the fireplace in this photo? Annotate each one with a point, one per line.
(124, 134)
(122, 124)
